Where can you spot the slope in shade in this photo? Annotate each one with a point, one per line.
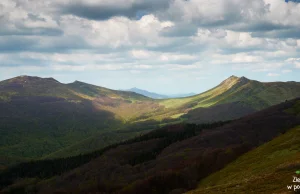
(221, 112)
(32, 127)
(39, 116)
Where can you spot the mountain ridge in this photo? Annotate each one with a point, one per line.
(39, 116)
(242, 89)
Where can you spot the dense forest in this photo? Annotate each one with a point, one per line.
(52, 167)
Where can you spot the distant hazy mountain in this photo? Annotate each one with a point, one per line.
(158, 96)
(147, 93)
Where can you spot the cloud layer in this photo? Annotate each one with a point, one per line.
(197, 38)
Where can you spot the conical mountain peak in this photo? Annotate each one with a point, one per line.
(236, 79)
(231, 79)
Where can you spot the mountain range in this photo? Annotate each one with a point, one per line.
(43, 118)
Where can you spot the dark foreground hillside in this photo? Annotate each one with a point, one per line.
(266, 169)
(169, 160)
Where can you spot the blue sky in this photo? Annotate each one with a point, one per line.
(165, 46)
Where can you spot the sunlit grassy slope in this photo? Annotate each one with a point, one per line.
(91, 91)
(257, 94)
(203, 98)
(267, 169)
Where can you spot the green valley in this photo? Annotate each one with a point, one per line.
(223, 156)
